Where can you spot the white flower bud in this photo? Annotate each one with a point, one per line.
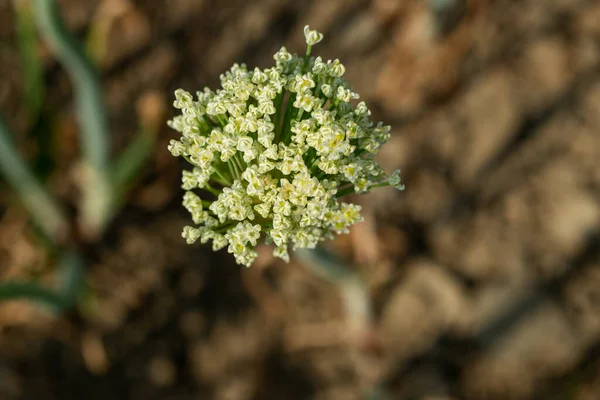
(176, 148)
(319, 67)
(183, 99)
(190, 234)
(312, 36)
(327, 89)
(259, 77)
(336, 68)
(396, 181)
(282, 56)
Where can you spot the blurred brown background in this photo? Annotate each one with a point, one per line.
(484, 274)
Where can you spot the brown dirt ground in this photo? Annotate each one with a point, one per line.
(484, 275)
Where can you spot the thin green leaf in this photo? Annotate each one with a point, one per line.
(71, 287)
(97, 190)
(72, 278)
(43, 208)
(31, 291)
(132, 159)
(31, 65)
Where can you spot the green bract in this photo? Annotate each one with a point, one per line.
(274, 149)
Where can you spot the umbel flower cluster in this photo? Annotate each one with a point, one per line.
(273, 150)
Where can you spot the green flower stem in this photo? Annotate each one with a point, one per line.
(324, 264)
(212, 190)
(218, 180)
(355, 299)
(284, 115)
(43, 208)
(318, 90)
(225, 226)
(222, 174)
(306, 58)
(236, 166)
(242, 162)
(232, 168)
(222, 120)
(204, 124)
(278, 108)
(345, 191)
(315, 170)
(383, 184)
(225, 180)
(320, 174)
(97, 190)
(212, 121)
(187, 158)
(350, 189)
(285, 128)
(348, 281)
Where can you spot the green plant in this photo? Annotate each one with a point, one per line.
(105, 181)
(273, 150)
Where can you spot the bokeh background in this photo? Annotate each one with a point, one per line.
(483, 275)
